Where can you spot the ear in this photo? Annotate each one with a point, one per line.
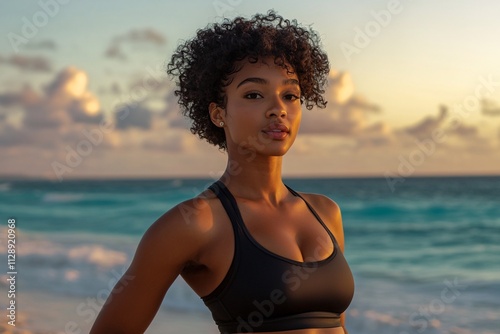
(216, 113)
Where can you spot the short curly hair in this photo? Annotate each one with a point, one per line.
(204, 64)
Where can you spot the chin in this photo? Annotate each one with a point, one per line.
(276, 151)
(270, 149)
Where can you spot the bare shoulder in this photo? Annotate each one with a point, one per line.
(187, 223)
(188, 215)
(321, 202)
(330, 213)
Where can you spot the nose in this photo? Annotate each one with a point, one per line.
(276, 108)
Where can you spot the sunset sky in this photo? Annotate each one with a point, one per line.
(414, 88)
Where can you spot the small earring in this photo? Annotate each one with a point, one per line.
(221, 123)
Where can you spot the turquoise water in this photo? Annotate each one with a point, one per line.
(405, 246)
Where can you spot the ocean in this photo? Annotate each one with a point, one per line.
(424, 252)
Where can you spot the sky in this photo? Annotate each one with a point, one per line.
(414, 89)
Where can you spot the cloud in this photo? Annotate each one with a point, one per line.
(340, 87)
(25, 98)
(468, 137)
(54, 117)
(28, 63)
(378, 134)
(346, 114)
(147, 35)
(148, 116)
(141, 37)
(69, 92)
(115, 89)
(133, 116)
(171, 141)
(464, 131)
(453, 137)
(11, 136)
(173, 113)
(425, 127)
(10, 99)
(86, 110)
(148, 96)
(114, 51)
(490, 108)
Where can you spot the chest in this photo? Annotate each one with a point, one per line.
(293, 232)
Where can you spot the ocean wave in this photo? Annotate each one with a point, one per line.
(70, 263)
(53, 197)
(5, 187)
(40, 252)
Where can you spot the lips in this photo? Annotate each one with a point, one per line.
(277, 131)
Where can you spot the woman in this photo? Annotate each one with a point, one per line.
(263, 257)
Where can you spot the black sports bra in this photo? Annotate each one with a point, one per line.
(265, 292)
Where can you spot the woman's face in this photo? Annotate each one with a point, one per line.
(263, 109)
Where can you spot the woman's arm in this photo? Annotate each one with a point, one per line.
(165, 248)
(342, 321)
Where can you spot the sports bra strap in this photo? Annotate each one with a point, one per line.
(228, 203)
(315, 215)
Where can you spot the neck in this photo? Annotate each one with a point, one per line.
(255, 177)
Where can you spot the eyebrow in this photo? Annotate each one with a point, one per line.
(264, 81)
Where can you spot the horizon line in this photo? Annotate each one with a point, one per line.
(200, 177)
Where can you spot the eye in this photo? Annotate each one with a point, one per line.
(253, 96)
(292, 97)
